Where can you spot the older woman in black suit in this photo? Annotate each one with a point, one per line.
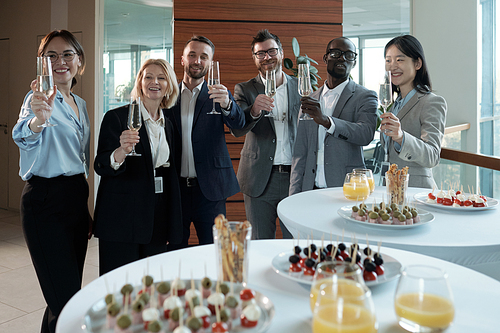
(138, 208)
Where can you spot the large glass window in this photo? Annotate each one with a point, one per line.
(134, 31)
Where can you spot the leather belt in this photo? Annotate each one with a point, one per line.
(282, 168)
(190, 181)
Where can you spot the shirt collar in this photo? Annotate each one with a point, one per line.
(198, 87)
(146, 116)
(338, 89)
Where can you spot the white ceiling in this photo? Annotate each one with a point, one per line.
(148, 22)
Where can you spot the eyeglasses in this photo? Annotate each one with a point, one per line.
(348, 55)
(67, 56)
(262, 54)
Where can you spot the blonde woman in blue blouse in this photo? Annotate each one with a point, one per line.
(54, 163)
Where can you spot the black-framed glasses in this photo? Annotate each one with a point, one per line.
(262, 54)
(67, 56)
(348, 55)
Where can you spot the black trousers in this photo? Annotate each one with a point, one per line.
(202, 212)
(55, 221)
(116, 254)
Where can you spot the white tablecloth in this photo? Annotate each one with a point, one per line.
(476, 295)
(471, 239)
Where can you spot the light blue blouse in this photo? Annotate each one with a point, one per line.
(60, 150)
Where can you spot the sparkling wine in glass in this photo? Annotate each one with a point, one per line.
(134, 120)
(213, 78)
(44, 83)
(385, 92)
(305, 88)
(270, 87)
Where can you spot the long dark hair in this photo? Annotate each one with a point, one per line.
(411, 47)
(69, 38)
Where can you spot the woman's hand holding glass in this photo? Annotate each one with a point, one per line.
(41, 105)
(391, 126)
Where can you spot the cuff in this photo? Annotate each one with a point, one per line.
(332, 126)
(115, 165)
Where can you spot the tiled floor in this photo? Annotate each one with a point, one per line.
(21, 300)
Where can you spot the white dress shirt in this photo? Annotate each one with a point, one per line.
(329, 98)
(283, 153)
(188, 103)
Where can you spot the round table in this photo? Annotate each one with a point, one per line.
(476, 295)
(471, 239)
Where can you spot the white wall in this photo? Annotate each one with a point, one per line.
(447, 30)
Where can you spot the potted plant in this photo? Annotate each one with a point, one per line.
(288, 63)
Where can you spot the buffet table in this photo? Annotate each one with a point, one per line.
(476, 295)
(471, 239)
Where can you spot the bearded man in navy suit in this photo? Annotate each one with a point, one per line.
(207, 176)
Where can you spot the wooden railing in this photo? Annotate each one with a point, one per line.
(480, 160)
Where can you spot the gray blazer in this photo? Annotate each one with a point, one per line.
(258, 151)
(422, 120)
(355, 121)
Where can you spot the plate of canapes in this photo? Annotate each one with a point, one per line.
(456, 201)
(180, 307)
(299, 265)
(386, 217)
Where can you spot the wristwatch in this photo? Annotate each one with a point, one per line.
(229, 106)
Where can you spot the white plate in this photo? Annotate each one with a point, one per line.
(281, 264)
(425, 218)
(422, 198)
(95, 318)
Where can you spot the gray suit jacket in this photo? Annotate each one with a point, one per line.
(258, 151)
(355, 121)
(422, 120)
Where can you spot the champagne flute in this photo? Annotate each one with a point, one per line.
(213, 78)
(270, 88)
(305, 88)
(385, 92)
(134, 120)
(423, 300)
(44, 83)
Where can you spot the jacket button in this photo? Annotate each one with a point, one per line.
(271, 158)
(274, 140)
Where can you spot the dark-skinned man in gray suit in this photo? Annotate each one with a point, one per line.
(266, 157)
(344, 121)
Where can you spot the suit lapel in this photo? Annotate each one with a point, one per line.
(200, 102)
(409, 105)
(344, 97)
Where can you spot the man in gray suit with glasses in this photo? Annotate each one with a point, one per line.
(344, 115)
(266, 157)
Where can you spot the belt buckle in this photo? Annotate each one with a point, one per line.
(280, 168)
(190, 181)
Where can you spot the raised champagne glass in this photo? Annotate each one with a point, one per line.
(44, 83)
(270, 88)
(213, 78)
(134, 120)
(304, 86)
(385, 92)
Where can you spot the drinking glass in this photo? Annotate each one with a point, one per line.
(305, 88)
(213, 78)
(330, 272)
(270, 88)
(134, 120)
(369, 175)
(423, 301)
(44, 83)
(336, 310)
(385, 92)
(356, 186)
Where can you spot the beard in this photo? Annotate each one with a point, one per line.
(337, 72)
(202, 73)
(276, 66)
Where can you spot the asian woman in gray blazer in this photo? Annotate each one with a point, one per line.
(414, 127)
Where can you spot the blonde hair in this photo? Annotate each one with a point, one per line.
(172, 90)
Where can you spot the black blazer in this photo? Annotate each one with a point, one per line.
(214, 167)
(125, 202)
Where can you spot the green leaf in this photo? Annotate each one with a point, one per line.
(295, 47)
(313, 70)
(311, 60)
(302, 60)
(288, 63)
(313, 80)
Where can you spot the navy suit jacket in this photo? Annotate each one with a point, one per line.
(126, 198)
(214, 168)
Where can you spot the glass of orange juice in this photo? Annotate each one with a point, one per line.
(423, 300)
(337, 311)
(330, 272)
(356, 186)
(369, 175)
